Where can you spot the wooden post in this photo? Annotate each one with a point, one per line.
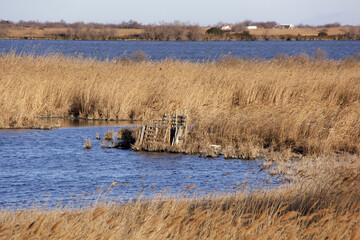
(142, 134)
(165, 135)
(186, 120)
(176, 129)
(155, 134)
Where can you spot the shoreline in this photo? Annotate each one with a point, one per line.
(259, 38)
(177, 33)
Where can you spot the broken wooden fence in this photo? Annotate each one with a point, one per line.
(169, 131)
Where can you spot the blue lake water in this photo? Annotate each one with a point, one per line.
(193, 51)
(51, 165)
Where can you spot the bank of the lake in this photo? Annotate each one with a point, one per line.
(179, 33)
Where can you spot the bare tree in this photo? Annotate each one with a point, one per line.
(194, 33)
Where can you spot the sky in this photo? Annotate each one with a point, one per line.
(202, 12)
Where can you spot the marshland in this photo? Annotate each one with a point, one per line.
(298, 115)
(293, 105)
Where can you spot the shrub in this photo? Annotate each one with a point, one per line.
(245, 35)
(322, 34)
(215, 31)
(127, 137)
(194, 33)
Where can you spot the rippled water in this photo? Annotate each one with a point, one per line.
(52, 165)
(193, 51)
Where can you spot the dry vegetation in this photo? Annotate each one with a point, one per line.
(281, 108)
(109, 135)
(175, 31)
(87, 144)
(288, 105)
(72, 33)
(322, 202)
(303, 31)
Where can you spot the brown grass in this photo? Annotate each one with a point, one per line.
(109, 135)
(302, 31)
(291, 105)
(306, 209)
(115, 33)
(38, 32)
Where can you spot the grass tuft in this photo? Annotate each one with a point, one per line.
(87, 144)
(109, 135)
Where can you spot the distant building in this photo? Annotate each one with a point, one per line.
(285, 26)
(226, 28)
(251, 27)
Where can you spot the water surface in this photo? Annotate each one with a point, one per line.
(193, 51)
(40, 165)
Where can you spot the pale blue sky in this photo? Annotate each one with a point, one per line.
(203, 12)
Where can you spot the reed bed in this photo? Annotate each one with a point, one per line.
(306, 209)
(293, 105)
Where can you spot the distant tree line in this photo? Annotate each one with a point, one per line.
(62, 24)
(329, 25)
(74, 31)
(131, 24)
(175, 31)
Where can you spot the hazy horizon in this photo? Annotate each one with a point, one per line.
(204, 13)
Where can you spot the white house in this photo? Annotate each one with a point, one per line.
(285, 26)
(251, 27)
(226, 28)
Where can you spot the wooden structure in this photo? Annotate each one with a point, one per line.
(169, 131)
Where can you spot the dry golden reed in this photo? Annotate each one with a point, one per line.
(288, 105)
(109, 135)
(97, 136)
(87, 144)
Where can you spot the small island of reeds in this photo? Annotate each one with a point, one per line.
(288, 106)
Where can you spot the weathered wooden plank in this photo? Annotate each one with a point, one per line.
(142, 134)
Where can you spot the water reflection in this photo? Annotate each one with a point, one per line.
(65, 122)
